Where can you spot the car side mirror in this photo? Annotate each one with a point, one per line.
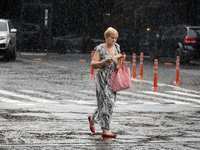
(13, 30)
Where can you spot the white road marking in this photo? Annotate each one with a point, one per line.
(171, 96)
(155, 98)
(163, 84)
(7, 100)
(3, 99)
(182, 93)
(81, 102)
(183, 89)
(92, 97)
(40, 93)
(25, 104)
(92, 92)
(25, 97)
(121, 103)
(123, 97)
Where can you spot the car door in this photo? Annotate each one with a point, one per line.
(166, 42)
(12, 35)
(175, 39)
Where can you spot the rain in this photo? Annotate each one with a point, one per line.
(48, 87)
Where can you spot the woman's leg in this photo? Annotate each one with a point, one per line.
(105, 100)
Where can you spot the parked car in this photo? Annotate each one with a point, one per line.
(180, 40)
(7, 40)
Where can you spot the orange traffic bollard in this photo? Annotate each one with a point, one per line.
(134, 66)
(127, 62)
(82, 60)
(177, 71)
(37, 59)
(92, 70)
(155, 87)
(141, 65)
(123, 62)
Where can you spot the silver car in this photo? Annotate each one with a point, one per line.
(7, 40)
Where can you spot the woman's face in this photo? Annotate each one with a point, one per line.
(111, 39)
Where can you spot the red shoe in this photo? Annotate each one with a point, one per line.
(109, 135)
(92, 129)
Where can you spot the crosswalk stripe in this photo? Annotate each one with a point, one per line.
(171, 96)
(93, 102)
(155, 98)
(26, 97)
(167, 85)
(183, 89)
(182, 93)
(7, 100)
(121, 103)
(3, 99)
(92, 97)
(81, 102)
(91, 92)
(40, 93)
(25, 104)
(123, 97)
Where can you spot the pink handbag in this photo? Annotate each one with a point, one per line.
(120, 79)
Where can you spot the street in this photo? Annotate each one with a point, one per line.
(45, 104)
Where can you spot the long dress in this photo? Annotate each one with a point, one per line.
(106, 97)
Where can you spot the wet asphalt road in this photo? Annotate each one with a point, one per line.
(45, 104)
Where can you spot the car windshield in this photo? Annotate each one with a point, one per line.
(166, 34)
(194, 32)
(3, 26)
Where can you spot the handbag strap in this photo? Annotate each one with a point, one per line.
(122, 62)
(122, 67)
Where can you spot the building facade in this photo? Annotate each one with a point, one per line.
(44, 25)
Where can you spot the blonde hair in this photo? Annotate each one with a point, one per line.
(111, 31)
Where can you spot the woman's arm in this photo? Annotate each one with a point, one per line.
(96, 63)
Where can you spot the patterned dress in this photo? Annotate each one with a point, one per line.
(106, 97)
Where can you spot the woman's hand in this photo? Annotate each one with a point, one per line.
(124, 56)
(96, 63)
(109, 60)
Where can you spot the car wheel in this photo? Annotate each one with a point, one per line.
(7, 54)
(183, 60)
(14, 54)
(152, 54)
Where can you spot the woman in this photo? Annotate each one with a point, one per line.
(104, 61)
